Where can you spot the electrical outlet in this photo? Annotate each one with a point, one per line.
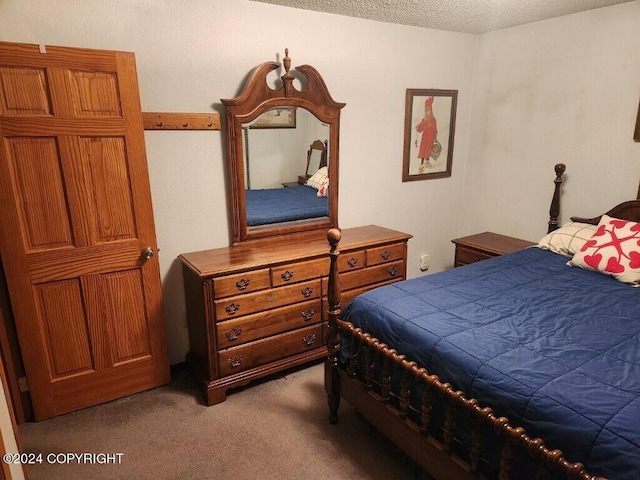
(425, 261)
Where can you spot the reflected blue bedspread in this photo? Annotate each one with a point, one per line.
(284, 205)
(554, 348)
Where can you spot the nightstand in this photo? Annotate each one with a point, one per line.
(481, 246)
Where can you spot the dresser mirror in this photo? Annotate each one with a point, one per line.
(282, 153)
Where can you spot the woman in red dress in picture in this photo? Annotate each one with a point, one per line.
(429, 130)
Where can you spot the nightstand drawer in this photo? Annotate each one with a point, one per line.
(253, 327)
(465, 256)
(481, 246)
(233, 307)
(236, 359)
(241, 283)
(299, 271)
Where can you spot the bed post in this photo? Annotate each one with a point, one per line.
(554, 210)
(331, 378)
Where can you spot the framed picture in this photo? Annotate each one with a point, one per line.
(429, 128)
(636, 133)
(283, 117)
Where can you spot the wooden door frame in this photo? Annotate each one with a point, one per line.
(11, 356)
(9, 437)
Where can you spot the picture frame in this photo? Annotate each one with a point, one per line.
(281, 117)
(636, 133)
(429, 131)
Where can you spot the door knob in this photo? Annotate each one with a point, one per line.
(148, 252)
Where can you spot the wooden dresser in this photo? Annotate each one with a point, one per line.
(260, 307)
(485, 245)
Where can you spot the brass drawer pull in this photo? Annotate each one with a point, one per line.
(234, 362)
(272, 298)
(286, 276)
(242, 284)
(233, 308)
(234, 334)
(393, 271)
(306, 293)
(385, 255)
(352, 262)
(308, 314)
(309, 339)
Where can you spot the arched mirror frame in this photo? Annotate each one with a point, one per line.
(258, 97)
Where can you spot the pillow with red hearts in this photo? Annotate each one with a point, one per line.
(614, 249)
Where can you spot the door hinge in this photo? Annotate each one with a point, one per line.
(23, 385)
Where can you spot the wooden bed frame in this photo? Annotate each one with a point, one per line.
(407, 425)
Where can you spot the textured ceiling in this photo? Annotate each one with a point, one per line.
(467, 16)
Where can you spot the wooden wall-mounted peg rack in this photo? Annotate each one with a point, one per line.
(180, 121)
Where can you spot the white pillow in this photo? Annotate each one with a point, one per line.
(318, 178)
(568, 239)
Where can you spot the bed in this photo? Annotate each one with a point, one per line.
(276, 205)
(520, 366)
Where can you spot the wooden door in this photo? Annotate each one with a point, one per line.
(77, 226)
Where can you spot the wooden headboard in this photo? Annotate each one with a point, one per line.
(626, 211)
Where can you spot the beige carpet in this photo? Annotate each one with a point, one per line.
(275, 429)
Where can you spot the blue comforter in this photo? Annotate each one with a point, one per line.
(287, 204)
(554, 348)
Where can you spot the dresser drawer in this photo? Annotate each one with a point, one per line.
(388, 253)
(299, 271)
(259, 325)
(465, 256)
(348, 295)
(240, 305)
(352, 261)
(236, 359)
(241, 283)
(370, 275)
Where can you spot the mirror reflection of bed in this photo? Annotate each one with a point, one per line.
(286, 182)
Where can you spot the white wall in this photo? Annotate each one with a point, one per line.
(191, 54)
(565, 89)
(561, 90)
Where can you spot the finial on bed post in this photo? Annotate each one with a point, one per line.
(334, 235)
(332, 380)
(554, 210)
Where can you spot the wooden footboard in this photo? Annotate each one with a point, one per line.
(408, 423)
